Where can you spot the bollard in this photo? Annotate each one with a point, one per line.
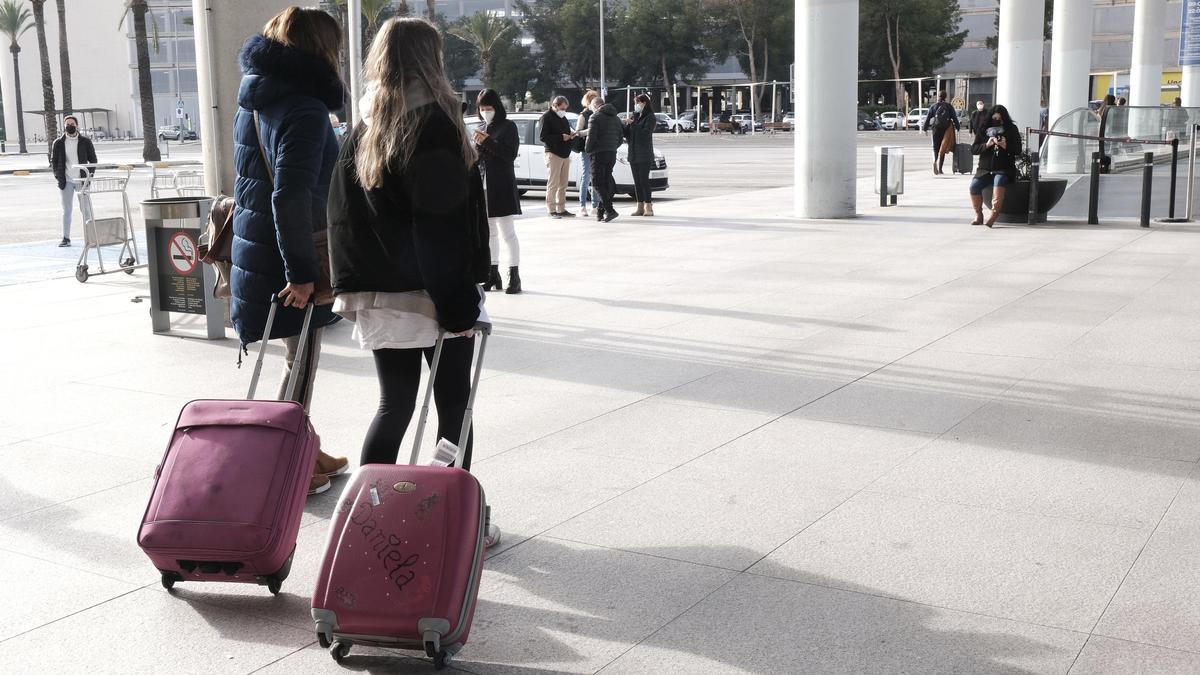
(1187, 212)
(1094, 192)
(1147, 186)
(1174, 170)
(883, 177)
(1034, 171)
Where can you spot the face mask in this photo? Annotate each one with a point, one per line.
(561, 113)
(71, 129)
(638, 107)
(487, 115)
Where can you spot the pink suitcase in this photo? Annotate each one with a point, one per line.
(405, 553)
(230, 490)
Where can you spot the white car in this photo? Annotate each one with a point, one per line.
(891, 120)
(530, 165)
(676, 124)
(916, 117)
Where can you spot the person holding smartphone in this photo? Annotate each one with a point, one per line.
(997, 144)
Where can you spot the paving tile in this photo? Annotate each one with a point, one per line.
(1103, 655)
(314, 658)
(929, 391)
(524, 502)
(699, 511)
(40, 592)
(910, 323)
(151, 632)
(1048, 571)
(656, 431)
(762, 625)
(1159, 602)
(1088, 485)
(51, 475)
(556, 606)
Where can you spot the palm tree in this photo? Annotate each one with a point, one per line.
(48, 107)
(372, 9)
(430, 11)
(483, 32)
(64, 57)
(139, 9)
(14, 22)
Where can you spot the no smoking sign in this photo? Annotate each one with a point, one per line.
(182, 253)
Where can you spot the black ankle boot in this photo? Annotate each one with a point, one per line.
(514, 281)
(494, 280)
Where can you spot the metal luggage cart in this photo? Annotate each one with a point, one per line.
(189, 183)
(101, 232)
(161, 179)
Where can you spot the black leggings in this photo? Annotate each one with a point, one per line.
(399, 373)
(641, 181)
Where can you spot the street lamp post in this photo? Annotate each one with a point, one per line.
(603, 82)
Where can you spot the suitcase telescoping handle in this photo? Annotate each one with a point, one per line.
(483, 330)
(300, 353)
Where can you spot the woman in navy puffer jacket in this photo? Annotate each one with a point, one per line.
(291, 82)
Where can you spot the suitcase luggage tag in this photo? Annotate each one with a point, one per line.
(444, 454)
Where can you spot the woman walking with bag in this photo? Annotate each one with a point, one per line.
(284, 154)
(639, 131)
(499, 143)
(406, 235)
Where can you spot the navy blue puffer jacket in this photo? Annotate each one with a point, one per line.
(273, 226)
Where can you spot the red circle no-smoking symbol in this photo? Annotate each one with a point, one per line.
(181, 251)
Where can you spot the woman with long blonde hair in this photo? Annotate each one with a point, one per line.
(408, 234)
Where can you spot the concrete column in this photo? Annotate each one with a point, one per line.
(1145, 71)
(1070, 56)
(826, 71)
(221, 27)
(354, 25)
(1019, 60)
(1190, 89)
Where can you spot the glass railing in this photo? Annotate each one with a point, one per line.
(1124, 129)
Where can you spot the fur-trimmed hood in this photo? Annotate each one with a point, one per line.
(273, 70)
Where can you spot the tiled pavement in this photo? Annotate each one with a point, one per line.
(719, 441)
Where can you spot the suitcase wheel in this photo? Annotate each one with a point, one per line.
(440, 660)
(322, 640)
(274, 584)
(339, 650)
(169, 579)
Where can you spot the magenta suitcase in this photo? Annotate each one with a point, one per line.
(405, 553)
(231, 487)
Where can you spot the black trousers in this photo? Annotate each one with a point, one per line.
(641, 181)
(399, 372)
(938, 134)
(602, 177)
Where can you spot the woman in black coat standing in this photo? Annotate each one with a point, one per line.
(997, 143)
(498, 143)
(639, 131)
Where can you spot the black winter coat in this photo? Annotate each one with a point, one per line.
(423, 230)
(994, 159)
(640, 133)
(496, 156)
(553, 127)
(58, 158)
(604, 130)
(273, 225)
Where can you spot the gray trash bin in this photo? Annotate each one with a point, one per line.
(179, 282)
(889, 167)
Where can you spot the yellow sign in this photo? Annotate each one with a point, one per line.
(1102, 85)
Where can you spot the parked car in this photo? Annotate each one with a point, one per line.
(665, 123)
(866, 122)
(745, 119)
(687, 121)
(530, 165)
(891, 120)
(176, 133)
(789, 118)
(676, 124)
(916, 117)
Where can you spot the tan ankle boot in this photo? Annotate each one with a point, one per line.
(641, 209)
(329, 466)
(649, 209)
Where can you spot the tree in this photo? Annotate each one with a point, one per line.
(372, 11)
(663, 38)
(431, 11)
(64, 57)
(138, 10)
(760, 34)
(483, 32)
(458, 56)
(48, 106)
(567, 33)
(14, 22)
(515, 70)
(918, 37)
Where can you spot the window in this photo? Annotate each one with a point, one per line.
(185, 51)
(187, 80)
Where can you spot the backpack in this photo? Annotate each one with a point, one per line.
(941, 117)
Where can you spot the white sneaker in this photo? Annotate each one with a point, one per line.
(492, 537)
